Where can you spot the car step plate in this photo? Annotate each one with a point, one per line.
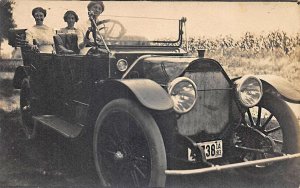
(65, 128)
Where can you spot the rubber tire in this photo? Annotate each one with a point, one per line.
(26, 118)
(291, 137)
(150, 130)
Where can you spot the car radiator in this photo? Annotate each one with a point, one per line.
(212, 109)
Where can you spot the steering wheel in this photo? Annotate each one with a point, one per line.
(110, 29)
(113, 29)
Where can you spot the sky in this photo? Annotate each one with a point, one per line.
(204, 18)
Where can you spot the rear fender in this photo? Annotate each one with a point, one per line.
(20, 73)
(280, 87)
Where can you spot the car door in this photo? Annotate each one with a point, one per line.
(74, 77)
(41, 97)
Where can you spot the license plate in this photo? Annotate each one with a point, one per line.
(212, 150)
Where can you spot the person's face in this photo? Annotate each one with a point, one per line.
(70, 19)
(39, 18)
(97, 9)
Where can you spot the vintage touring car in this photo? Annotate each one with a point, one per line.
(152, 109)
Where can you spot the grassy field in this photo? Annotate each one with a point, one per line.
(273, 53)
(286, 66)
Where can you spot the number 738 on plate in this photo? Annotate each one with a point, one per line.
(212, 149)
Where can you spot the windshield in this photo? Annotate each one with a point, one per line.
(137, 31)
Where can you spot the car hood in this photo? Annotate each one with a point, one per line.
(160, 69)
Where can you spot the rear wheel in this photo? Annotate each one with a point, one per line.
(273, 130)
(128, 147)
(25, 108)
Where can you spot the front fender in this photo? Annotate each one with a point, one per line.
(20, 73)
(280, 87)
(150, 94)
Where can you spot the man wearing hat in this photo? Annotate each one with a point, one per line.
(95, 8)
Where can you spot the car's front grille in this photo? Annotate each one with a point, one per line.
(211, 111)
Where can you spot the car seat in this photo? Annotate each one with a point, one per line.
(66, 43)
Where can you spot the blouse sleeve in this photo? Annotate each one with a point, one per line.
(82, 29)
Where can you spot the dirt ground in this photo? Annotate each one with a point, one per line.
(52, 161)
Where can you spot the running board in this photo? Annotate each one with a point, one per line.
(63, 127)
(231, 166)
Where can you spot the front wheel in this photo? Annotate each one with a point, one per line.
(273, 130)
(128, 147)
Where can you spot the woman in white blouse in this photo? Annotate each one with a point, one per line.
(40, 36)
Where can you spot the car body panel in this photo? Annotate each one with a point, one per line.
(161, 69)
(150, 94)
(279, 86)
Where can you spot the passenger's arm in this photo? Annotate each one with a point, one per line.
(32, 43)
(82, 40)
(63, 50)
